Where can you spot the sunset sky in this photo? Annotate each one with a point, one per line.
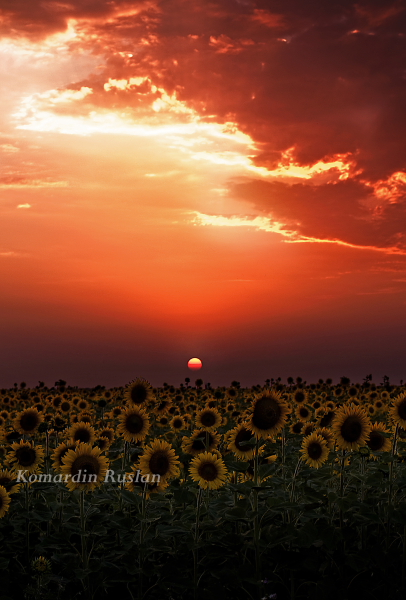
(193, 178)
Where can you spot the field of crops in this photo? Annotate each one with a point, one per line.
(280, 491)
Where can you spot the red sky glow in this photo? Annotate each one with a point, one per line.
(223, 179)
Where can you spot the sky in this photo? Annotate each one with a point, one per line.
(221, 179)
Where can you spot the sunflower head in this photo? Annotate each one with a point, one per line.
(177, 423)
(133, 424)
(28, 421)
(303, 413)
(159, 459)
(398, 410)
(299, 396)
(351, 427)
(377, 441)
(269, 414)
(4, 501)
(84, 468)
(208, 470)
(25, 456)
(41, 564)
(197, 442)
(60, 452)
(208, 419)
(82, 432)
(236, 436)
(314, 450)
(138, 392)
(8, 480)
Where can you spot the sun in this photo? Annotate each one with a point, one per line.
(195, 364)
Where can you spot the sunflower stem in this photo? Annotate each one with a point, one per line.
(256, 520)
(141, 550)
(27, 521)
(404, 560)
(83, 528)
(196, 539)
(390, 488)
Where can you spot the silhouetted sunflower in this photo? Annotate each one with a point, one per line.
(351, 427)
(269, 414)
(133, 424)
(378, 442)
(27, 421)
(398, 410)
(138, 392)
(25, 456)
(208, 470)
(239, 434)
(159, 458)
(4, 501)
(84, 468)
(81, 432)
(208, 419)
(314, 450)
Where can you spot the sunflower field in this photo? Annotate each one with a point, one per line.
(282, 491)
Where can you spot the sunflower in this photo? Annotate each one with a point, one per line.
(163, 406)
(269, 414)
(84, 468)
(65, 406)
(208, 419)
(8, 480)
(328, 436)
(26, 456)
(377, 441)
(82, 404)
(84, 416)
(208, 470)
(107, 432)
(60, 452)
(138, 391)
(196, 443)
(299, 396)
(351, 427)
(177, 423)
(133, 424)
(4, 501)
(160, 459)
(28, 421)
(239, 434)
(303, 413)
(314, 450)
(41, 564)
(308, 429)
(398, 410)
(327, 418)
(81, 432)
(296, 427)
